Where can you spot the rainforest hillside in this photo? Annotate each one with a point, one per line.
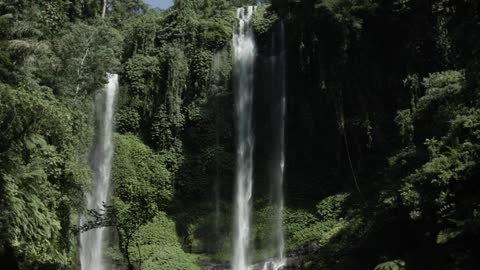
(382, 132)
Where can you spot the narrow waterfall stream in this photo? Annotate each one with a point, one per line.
(218, 81)
(278, 111)
(243, 68)
(92, 242)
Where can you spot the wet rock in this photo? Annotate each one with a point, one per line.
(295, 259)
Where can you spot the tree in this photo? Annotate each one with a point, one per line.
(40, 178)
(142, 188)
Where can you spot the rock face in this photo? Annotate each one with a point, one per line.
(292, 264)
(295, 259)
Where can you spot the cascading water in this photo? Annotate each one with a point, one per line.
(278, 111)
(219, 81)
(91, 242)
(216, 185)
(243, 68)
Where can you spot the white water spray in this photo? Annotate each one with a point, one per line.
(243, 68)
(92, 242)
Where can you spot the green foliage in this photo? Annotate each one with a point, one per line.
(321, 232)
(142, 187)
(348, 12)
(68, 57)
(404, 120)
(263, 20)
(332, 207)
(443, 169)
(85, 53)
(31, 220)
(139, 178)
(302, 227)
(335, 239)
(170, 258)
(448, 160)
(207, 231)
(168, 76)
(139, 70)
(140, 34)
(28, 112)
(441, 88)
(178, 71)
(201, 64)
(391, 265)
(127, 120)
(161, 132)
(41, 178)
(448, 235)
(438, 163)
(53, 15)
(212, 35)
(296, 220)
(156, 245)
(120, 10)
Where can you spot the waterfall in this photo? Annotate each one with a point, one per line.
(216, 185)
(91, 242)
(243, 68)
(278, 111)
(218, 82)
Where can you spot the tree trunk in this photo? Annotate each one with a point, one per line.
(123, 242)
(104, 8)
(80, 69)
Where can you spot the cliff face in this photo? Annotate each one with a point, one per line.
(359, 77)
(349, 64)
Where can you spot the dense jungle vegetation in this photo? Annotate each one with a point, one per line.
(383, 131)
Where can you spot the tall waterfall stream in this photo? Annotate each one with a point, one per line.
(244, 58)
(92, 242)
(244, 67)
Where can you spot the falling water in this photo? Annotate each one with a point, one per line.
(218, 83)
(278, 69)
(244, 57)
(216, 185)
(91, 242)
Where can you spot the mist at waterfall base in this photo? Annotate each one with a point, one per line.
(92, 241)
(244, 70)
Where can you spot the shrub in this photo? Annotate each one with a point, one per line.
(157, 245)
